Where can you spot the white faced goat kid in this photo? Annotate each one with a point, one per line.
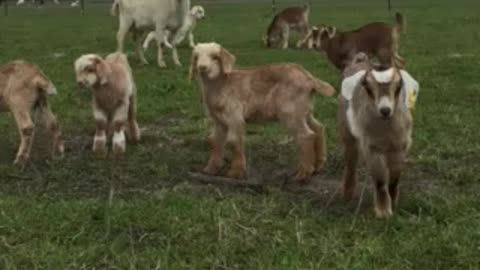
(196, 13)
(114, 98)
(375, 122)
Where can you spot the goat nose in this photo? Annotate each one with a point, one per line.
(202, 68)
(385, 111)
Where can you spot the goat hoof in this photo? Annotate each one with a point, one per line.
(21, 161)
(236, 173)
(211, 170)
(162, 64)
(303, 174)
(383, 213)
(348, 194)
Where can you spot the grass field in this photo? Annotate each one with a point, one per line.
(145, 212)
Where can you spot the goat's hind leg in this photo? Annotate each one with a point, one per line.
(137, 38)
(305, 139)
(51, 123)
(133, 131)
(160, 35)
(320, 145)
(235, 137)
(26, 130)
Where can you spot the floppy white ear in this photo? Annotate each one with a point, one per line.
(349, 84)
(410, 88)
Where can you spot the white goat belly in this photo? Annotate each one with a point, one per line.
(352, 123)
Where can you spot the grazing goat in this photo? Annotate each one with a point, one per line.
(375, 123)
(235, 97)
(140, 16)
(24, 89)
(293, 18)
(114, 98)
(196, 13)
(375, 39)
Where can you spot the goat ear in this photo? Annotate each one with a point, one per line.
(410, 88)
(102, 70)
(351, 83)
(228, 61)
(192, 71)
(331, 31)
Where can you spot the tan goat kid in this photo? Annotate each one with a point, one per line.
(114, 98)
(234, 97)
(375, 123)
(24, 89)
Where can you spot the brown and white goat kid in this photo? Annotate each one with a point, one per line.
(24, 89)
(293, 18)
(235, 97)
(378, 39)
(375, 123)
(114, 98)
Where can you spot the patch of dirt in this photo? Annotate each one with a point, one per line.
(165, 161)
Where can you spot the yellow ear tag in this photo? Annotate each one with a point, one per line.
(411, 99)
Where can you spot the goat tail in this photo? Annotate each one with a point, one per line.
(319, 86)
(400, 23)
(323, 88)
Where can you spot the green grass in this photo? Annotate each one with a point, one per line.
(145, 212)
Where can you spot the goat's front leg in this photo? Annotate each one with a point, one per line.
(26, 129)
(100, 139)
(160, 32)
(235, 134)
(119, 123)
(191, 40)
(216, 143)
(285, 37)
(396, 163)
(377, 166)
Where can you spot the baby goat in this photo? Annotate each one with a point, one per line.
(289, 19)
(375, 122)
(378, 39)
(23, 89)
(114, 98)
(235, 97)
(189, 22)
